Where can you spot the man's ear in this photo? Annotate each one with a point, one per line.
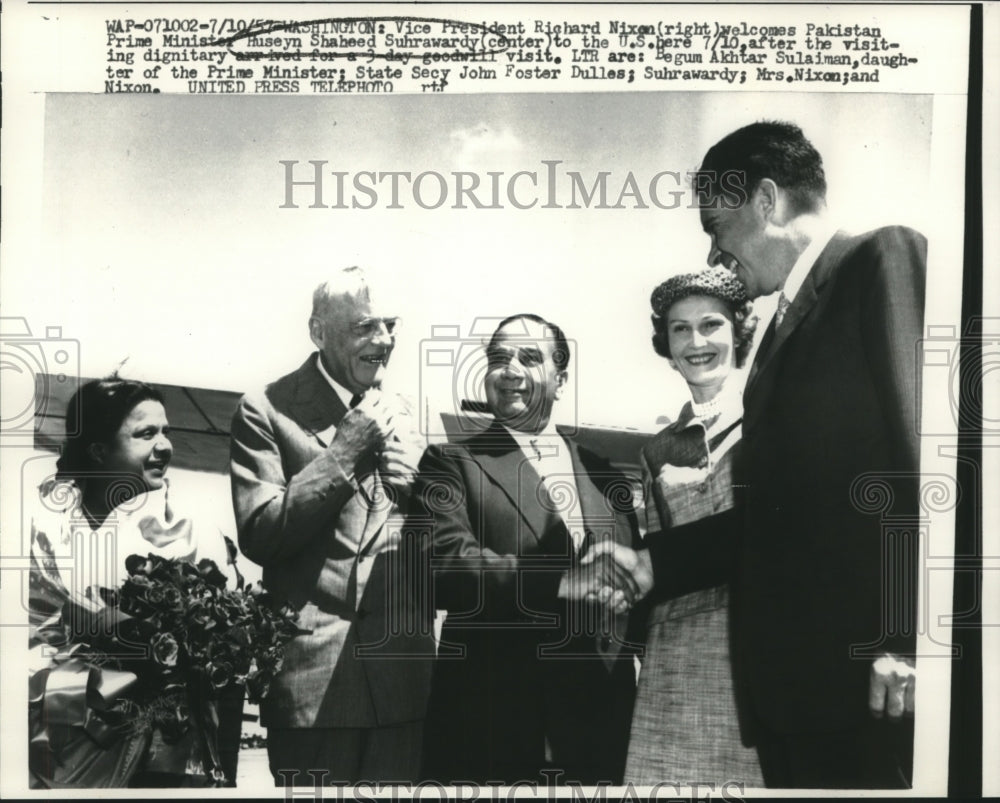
(561, 379)
(316, 331)
(765, 198)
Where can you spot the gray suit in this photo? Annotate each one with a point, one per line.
(332, 553)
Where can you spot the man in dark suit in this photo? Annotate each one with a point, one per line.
(531, 674)
(319, 459)
(824, 596)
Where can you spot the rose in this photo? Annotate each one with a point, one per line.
(220, 674)
(138, 565)
(199, 616)
(165, 649)
(188, 573)
(210, 573)
(173, 599)
(154, 594)
(241, 636)
(136, 586)
(229, 611)
(161, 568)
(197, 648)
(134, 593)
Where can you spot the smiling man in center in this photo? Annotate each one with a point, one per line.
(532, 674)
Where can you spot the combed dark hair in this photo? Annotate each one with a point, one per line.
(560, 355)
(695, 284)
(94, 415)
(735, 165)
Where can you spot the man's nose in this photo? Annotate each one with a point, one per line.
(512, 367)
(383, 335)
(163, 445)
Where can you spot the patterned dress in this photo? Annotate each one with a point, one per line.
(685, 727)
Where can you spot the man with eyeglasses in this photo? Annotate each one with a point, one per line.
(320, 461)
(534, 674)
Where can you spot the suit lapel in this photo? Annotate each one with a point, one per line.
(316, 407)
(803, 303)
(502, 460)
(598, 523)
(377, 506)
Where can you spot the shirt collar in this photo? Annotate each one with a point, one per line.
(806, 260)
(343, 393)
(524, 439)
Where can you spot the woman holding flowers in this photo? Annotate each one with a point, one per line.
(108, 501)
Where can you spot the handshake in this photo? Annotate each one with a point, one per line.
(609, 573)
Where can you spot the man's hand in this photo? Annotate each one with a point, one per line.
(402, 450)
(892, 686)
(634, 574)
(364, 430)
(586, 579)
(398, 464)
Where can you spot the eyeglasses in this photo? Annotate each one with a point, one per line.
(369, 327)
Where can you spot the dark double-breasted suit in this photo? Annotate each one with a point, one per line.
(830, 448)
(520, 674)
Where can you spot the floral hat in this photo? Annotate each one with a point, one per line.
(717, 282)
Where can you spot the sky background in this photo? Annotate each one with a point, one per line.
(163, 243)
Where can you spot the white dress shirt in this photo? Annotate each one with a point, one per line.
(806, 260)
(549, 456)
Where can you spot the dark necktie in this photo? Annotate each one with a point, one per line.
(356, 400)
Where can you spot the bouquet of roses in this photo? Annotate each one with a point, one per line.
(195, 628)
(163, 648)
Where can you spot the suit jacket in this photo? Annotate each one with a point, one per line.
(302, 516)
(830, 455)
(517, 666)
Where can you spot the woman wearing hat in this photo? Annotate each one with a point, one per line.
(685, 726)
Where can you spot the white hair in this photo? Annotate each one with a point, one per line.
(345, 282)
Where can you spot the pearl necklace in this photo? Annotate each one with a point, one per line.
(706, 409)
